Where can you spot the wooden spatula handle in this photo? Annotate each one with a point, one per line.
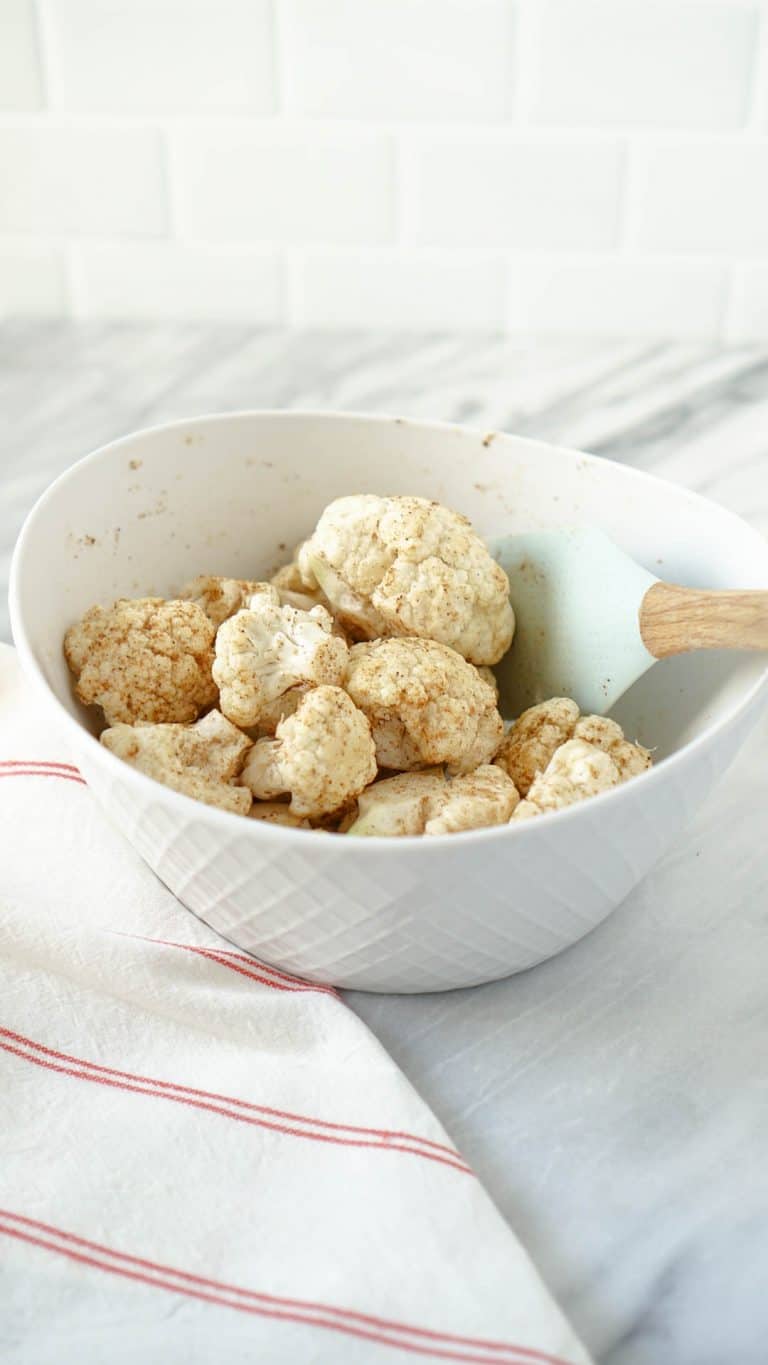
(674, 620)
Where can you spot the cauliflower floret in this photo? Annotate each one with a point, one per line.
(533, 739)
(540, 731)
(200, 760)
(294, 591)
(429, 803)
(407, 566)
(473, 801)
(303, 601)
(398, 805)
(630, 759)
(276, 813)
(488, 676)
(289, 576)
(323, 755)
(143, 659)
(426, 704)
(280, 709)
(218, 597)
(266, 650)
(342, 825)
(575, 771)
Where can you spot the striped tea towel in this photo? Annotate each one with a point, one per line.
(203, 1159)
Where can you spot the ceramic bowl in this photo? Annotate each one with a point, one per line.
(232, 494)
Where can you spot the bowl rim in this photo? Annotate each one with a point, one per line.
(261, 830)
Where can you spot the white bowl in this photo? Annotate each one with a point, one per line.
(233, 494)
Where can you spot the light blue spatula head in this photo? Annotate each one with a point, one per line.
(577, 598)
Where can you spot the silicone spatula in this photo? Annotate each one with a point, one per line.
(591, 621)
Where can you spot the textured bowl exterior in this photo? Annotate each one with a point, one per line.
(383, 915)
(414, 919)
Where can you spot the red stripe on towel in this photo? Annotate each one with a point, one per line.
(37, 763)
(259, 971)
(243, 1111)
(39, 770)
(401, 1336)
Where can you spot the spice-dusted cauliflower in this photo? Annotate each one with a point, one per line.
(265, 650)
(200, 760)
(426, 704)
(323, 755)
(473, 801)
(430, 803)
(276, 813)
(533, 738)
(143, 659)
(399, 805)
(218, 597)
(630, 759)
(488, 676)
(407, 566)
(290, 584)
(289, 578)
(575, 771)
(221, 598)
(540, 731)
(284, 706)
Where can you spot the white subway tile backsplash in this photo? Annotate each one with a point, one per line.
(20, 75)
(383, 289)
(168, 280)
(747, 318)
(178, 56)
(701, 196)
(32, 281)
(275, 184)
(433, 59)
(513, 191)
(616, 298)
(595, 166)
(629, 62)
(81, 180)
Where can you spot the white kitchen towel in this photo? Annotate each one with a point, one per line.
(203, 1159)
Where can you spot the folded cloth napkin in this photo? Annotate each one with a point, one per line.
(201, 1158)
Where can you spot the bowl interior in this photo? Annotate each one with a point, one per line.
(234, 494)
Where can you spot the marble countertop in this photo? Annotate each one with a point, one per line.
(615, 1099)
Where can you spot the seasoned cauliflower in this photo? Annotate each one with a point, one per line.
(143, 659)
(294, 591)
(630, 759)
(218, 597)
(280, 709)
(266, 650)
(289, 577)
(575, 771)
(488, 676)
(276, 813)
(426, 704)
(200, 760)
(409, 567)
(429, 803)
(473, 801)
(533, 739)
(540, 731)
(398, 805)
(323, 755)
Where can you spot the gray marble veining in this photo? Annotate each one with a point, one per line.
(693, 412)
(614, 1100)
